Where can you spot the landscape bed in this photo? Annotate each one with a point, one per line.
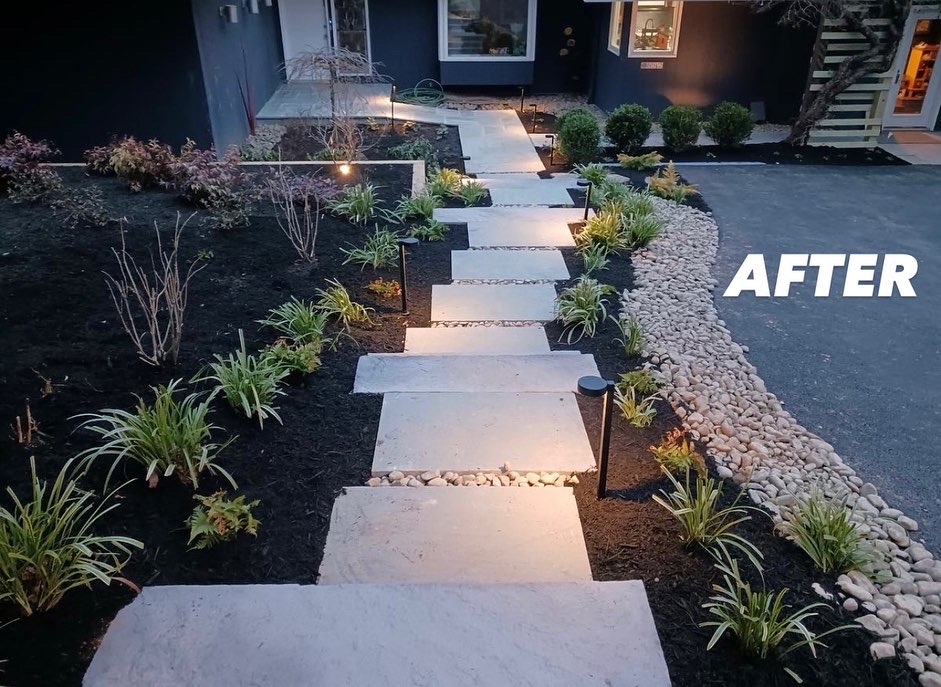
(60, 324)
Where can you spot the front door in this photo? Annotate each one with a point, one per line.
(349, 20)
(303, 29)
(916, 91)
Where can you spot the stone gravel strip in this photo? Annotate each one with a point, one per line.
(507, 477)
(758, 444)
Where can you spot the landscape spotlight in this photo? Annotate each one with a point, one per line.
(593, 387)
(404, 243)
(345, 169)
(587, 185)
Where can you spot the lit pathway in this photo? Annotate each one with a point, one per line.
(455, 576)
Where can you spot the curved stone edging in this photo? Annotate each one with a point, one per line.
(757, 443)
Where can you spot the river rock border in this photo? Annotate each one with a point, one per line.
(757, 443)
(505, 477)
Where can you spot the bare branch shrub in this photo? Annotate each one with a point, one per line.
(151, 303)
(297, 202)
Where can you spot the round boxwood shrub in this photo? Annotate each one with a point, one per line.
(681, 126)
(628, 127)
(579, 135)
(730, 125)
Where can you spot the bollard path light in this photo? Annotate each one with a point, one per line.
(535, 108)
(551, 138)
(522, 95)
(404, 243)
(587, 185)
(594, 387)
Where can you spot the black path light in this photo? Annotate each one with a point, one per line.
(522, 95)
(587, 185)
(551, 138)
(404, 243)
(392, 103)
(535, 109)
(593, 387)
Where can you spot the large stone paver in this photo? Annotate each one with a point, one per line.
(492, 302)
(527, 189)
(381, 373)
(454, 534)
(476, 340)
(568, 634)
(471, 432)
(522, 265)
(514, 227)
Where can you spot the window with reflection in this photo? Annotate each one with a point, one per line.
(655, 28)
(487, 28)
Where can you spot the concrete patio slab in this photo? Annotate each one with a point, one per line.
(474, 432)
(476, 340)
(514, 227)
(527, 189)
(381, 373)
(569, 634)
(454, 534)
(492, 302)
(523, 265)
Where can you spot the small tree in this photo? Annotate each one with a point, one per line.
(878, 57)
(297, 203)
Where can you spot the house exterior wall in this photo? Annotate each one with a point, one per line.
(249, 50)
(725, 52)
(81, 73)
(404, 38)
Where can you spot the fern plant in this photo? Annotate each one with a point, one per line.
(358, 203)
(335, 300)
(701, 517)
(167, 437)
(217, 519)
(300, 320)
(581, 307)
(380, 250)
(668, 184)
(640, 162)
(249, 383)
(48, 546)
(638, 410)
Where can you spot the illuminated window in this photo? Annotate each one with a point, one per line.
(655, 28)
(617, 24)
(487, 29)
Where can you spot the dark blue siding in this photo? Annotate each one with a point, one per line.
(404, 38)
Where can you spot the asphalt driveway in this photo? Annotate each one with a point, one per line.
(863, 373)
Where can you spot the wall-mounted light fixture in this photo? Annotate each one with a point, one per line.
(593, 387)
(252, 6)
(269, 3)
(230, 13)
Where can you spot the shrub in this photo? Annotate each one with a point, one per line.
(249, 384)
(631, 335)
(48, 548)
(444, 182)
(35, 185)
(640, 162)
(824, 529)
(167, 437)
(668, 184)
(419, 149)
(759, 620)
(601, 229)
(385, 289)
(78, 206)
(430, 230)
(300, 320)
(140, 165)
(642, 379)
(472, 192)
(296, 357)
(595, 257)
(358, 203)
(297, 201)
(681, 125)
(730, 125)
(594, 173)
(420, 206)
(151, 306)
(217, 185)
(380, 250)
(638, 411)
(335, 300)
(628, 127)
(677, 454)
(217, 519)
(702, 519)
(19, 161)
(578, 135)
(581, 307)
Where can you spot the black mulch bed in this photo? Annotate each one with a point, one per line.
(631, 537)
(58, 322)
(298, 143)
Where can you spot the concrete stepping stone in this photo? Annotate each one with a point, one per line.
(454, 534)
(476, 340)
(569, 634)
(522, 265)
(526, 189)
(381, 373)
(514, 227)
(492, 302)
(479, 432)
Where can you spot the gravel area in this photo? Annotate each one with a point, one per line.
(758, 444)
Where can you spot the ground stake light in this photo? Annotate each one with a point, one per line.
(587, 185)
(404, 243)
(593, 387)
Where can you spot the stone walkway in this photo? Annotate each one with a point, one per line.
(431, 586)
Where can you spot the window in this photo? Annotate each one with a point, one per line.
(617, 26)
(655, 28)
(487, 29)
